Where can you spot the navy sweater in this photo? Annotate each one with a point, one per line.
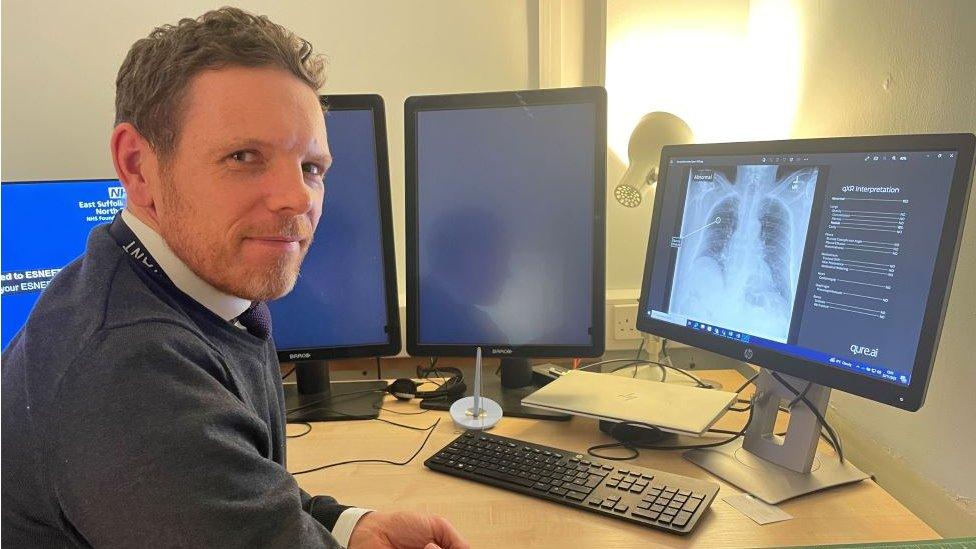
(135, 417)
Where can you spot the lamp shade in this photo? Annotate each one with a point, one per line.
(652, 133)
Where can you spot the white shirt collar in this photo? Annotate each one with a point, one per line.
(225, 306)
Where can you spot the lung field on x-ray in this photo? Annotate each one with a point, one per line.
(741, 245)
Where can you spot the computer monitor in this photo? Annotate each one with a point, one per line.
(505, 196)
(44, 225)
(344, 304)
(825, 262)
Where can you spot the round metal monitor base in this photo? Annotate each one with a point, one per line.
(768, 481)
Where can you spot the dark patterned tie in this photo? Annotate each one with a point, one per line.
(257, 320)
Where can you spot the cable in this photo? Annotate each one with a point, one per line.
(800, 396)
(392, 411)
(430, 430)
(330, 398)
(834, 439)
(664, 367)
(303, 433)
(634, 446)
(289, 373)
(379, 369)
(747, 383)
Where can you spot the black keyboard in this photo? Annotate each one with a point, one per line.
(636, 494)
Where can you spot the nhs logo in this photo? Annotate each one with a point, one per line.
(116, 192)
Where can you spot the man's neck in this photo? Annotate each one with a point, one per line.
(222, 304)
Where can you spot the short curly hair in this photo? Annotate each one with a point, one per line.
(154, 77)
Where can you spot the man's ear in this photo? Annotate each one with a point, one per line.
(136, 165)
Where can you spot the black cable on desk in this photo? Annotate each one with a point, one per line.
(430, 430)
(303, 433)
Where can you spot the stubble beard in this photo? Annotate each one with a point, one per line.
(217, 265)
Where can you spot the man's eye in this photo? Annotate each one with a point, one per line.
(244, 156)
(312, 169)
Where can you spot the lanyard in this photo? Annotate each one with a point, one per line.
(135, 250)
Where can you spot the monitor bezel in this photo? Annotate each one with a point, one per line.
(413, 105)
(908, 398)
(374, 103)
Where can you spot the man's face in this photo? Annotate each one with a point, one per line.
(241, 195)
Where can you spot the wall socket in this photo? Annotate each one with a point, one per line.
(625, 322)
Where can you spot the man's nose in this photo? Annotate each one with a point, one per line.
(290, 193)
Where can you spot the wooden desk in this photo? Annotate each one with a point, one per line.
(493, 517)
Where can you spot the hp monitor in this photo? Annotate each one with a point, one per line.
(344, 304)
(505, 196)
(45, 225)
(825, 262)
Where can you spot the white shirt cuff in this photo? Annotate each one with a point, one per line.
(347, 521)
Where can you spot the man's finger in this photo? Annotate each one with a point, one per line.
(446, 535)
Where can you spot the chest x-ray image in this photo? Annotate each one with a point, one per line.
(741, 245)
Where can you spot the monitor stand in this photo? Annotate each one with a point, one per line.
(318, 399)
(776, 468)
(507, 390)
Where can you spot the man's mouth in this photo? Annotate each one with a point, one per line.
(279, 242)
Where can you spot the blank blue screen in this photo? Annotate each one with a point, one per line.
(505, 224)
(45, 226)
(340, 297)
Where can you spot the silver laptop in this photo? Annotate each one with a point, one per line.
(667, 406)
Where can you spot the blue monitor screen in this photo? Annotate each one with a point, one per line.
(827, 257)
(340, 297)
(44, 226)
(505, 208)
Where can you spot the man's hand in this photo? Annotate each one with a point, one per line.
(403, 530)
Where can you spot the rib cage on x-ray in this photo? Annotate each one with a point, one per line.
(741, 245)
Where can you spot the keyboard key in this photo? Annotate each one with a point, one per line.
(684, 492)
(691, 505)
(576, 496)
(558, 491)
(657, 508)
(625, 485)
(541, 486)
(611, 484)
(665, 519)
(620, 508)
(613, 498)
(680, 499)
(644, 505)
(607, 504)
(636, 489)
(681, 519)
(643, 514)
(593, 482)
(608, 467)
(595, 502)
(647, 477)
(698, 496)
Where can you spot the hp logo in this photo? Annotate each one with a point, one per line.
(748, 354)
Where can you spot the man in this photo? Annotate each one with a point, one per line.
(141, 402)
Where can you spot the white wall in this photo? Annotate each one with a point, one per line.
(60, 58)
(839, 67)
(874, 67)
